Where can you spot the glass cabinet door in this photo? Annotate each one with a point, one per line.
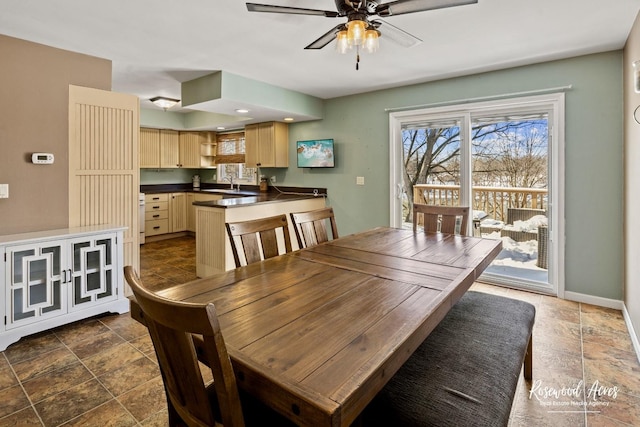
(93, 265)
(35, 278)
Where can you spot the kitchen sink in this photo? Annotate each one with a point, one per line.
(229, 191)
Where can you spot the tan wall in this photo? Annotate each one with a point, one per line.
(34, 94)
(632, 181)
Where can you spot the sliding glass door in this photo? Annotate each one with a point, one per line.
(502, 159)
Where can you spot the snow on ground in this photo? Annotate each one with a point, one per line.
(516, 254)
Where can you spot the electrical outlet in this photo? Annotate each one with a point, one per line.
(4, 191)
(359, 180)
(272, 179)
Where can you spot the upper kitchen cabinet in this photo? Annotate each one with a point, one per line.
(169, 149)
(197, 149)
(267, 145)
(159, 148)
(163, 148)
(149, 148)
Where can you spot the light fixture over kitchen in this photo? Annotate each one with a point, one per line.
(163, 102)
(242, 111)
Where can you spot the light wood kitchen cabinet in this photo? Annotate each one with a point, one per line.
(159, 148)
(54, 277)
(156, 214)
(177, 212)
(267, 145)
(191, 209)
(163, 148)
(191, 149)
(169, 149)
(149, 148)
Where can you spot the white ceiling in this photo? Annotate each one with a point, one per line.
(157, 44)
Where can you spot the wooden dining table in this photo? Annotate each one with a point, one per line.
(316, 333)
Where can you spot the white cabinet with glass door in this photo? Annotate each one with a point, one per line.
(56, 277)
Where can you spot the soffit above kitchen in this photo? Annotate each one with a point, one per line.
(217, 97)
(156, 45)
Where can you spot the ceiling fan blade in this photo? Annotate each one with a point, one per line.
(395, 34)
(326, 38)
(400, 7)
(254, 7)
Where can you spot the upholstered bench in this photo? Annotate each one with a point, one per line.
(466, 372)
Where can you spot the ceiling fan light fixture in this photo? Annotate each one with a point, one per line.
(342, 42)
(163, 102)
(355, 32)
(371, 40)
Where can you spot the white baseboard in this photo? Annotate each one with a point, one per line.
(590, 299)
(632, 332)
(609, 303)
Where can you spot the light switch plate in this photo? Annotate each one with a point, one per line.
(4, 191)
(360, 180)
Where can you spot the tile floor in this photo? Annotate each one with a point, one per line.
(102, 371)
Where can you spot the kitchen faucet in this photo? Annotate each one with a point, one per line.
(230, 178)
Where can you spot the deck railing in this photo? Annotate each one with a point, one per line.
(492, 200)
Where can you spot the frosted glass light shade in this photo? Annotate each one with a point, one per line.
(355, 32)
(164, 103)
(342, 43)
(371, 40)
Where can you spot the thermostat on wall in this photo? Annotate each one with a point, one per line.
(42, 158)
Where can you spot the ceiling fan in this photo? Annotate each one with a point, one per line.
(360, 30)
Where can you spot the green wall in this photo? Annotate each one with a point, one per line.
(593, 156)
(593, 170)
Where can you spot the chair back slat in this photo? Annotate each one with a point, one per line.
(441, 219)
(311, 228)
(173, 326)
(258, 238)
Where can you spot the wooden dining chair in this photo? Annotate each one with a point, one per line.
(443, 219)
(311, 227)
(258, 238)
(181, 334)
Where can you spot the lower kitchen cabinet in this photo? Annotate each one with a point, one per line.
(177, 212)
(55, 277)
(191, 209)
(156, 214)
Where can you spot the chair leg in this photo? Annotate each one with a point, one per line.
(528, 360)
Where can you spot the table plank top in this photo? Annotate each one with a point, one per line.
(317, 333)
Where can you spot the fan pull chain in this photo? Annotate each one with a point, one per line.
(357, 58)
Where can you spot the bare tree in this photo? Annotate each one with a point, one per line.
(505, 153)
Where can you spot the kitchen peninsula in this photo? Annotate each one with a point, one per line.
(213, 249)
(207, 209)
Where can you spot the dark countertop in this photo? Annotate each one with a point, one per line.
(233, 198)
(241, 201)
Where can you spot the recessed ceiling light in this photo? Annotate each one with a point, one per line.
(288, 119)
(220, 128)
(242, 110)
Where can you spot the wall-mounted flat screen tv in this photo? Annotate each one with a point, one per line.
(315, 153)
